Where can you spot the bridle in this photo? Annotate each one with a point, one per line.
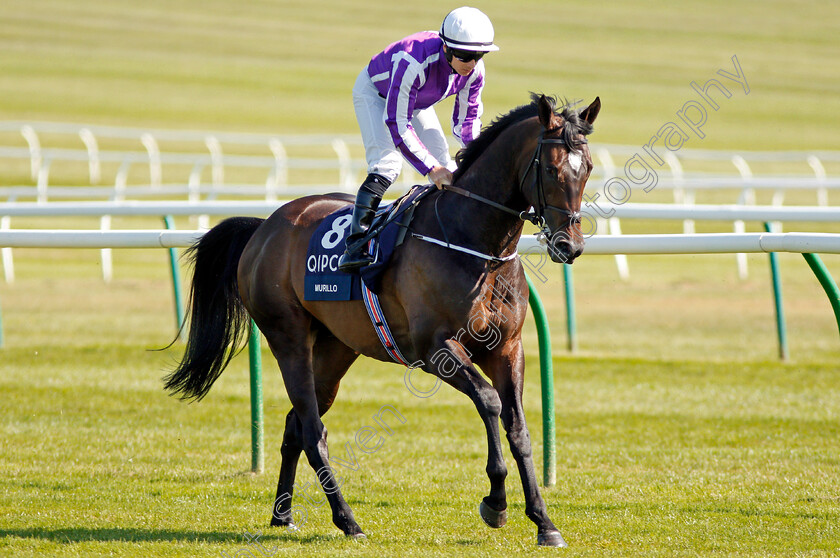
(537, 217)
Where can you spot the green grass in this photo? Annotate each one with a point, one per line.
(656, 457)
(680, 433)
(288, 66)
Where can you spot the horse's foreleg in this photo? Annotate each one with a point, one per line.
(460, 373)
(508, 373)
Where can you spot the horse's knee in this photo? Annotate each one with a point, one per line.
(520, 441)
(494, 405)
(490, 403)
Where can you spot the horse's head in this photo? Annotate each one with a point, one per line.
(559, 170)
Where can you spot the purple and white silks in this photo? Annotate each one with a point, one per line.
(412, 75)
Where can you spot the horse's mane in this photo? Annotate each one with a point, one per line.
(573, 125)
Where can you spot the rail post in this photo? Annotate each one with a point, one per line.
(546, 385)
(176, 280)
(571, 320)
(255, 365)
(828, 284)
(781, 328)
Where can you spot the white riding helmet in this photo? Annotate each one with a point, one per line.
(468, 29)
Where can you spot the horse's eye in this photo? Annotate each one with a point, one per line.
(551, 170)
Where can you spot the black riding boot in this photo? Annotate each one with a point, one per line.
(367, 200)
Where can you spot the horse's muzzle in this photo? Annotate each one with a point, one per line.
(563, 250)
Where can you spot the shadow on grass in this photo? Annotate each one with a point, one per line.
(77, 535)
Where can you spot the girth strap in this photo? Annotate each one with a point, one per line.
(377, 317)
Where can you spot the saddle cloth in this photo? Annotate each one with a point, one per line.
(324, 281)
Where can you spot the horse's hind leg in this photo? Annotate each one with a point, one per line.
(289, 454)
(330, 360)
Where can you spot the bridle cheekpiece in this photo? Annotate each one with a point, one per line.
(537, 217)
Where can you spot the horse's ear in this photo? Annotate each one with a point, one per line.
(590, 113)
(546, 112)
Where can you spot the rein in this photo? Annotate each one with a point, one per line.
(537, 216)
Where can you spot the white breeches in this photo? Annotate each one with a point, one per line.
(382, 155)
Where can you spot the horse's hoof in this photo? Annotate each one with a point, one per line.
(284, 521)
(357, 536)
(551, 538)
(290, 526)
(491, 517)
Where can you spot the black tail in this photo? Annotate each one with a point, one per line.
(218, 320)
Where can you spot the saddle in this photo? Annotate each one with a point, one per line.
(323, 279)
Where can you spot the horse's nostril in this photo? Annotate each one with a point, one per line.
(565, 251)
(561, 251)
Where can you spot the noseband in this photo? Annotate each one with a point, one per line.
(537, 217)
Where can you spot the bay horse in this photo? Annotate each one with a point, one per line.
(248, 268)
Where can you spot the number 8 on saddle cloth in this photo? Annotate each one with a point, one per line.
(323, 279)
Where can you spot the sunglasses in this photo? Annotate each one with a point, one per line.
(466, 55)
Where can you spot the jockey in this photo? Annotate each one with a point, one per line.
(394, 97)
